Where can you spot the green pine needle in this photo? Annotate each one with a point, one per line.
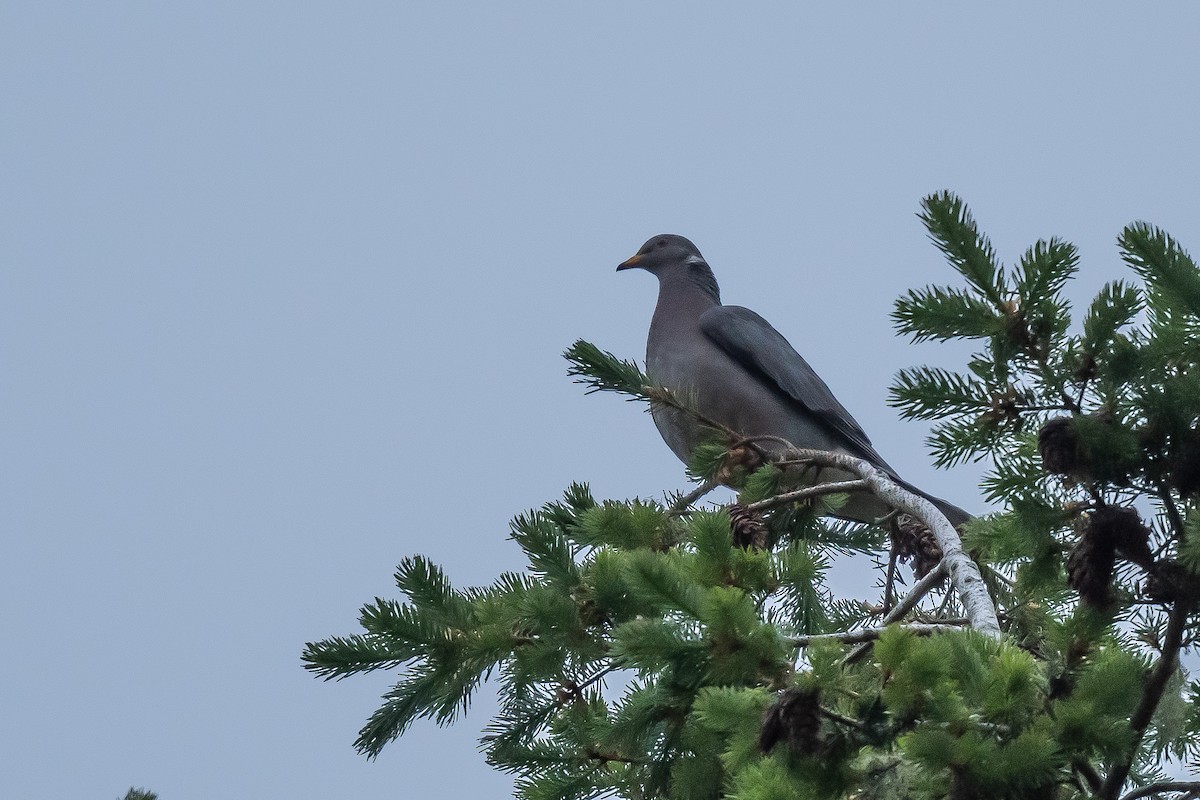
(1169, 272)
(941, 314)
(930, 393)
(600, 370)
(1115, 306)
(1044, 270)
(952, 229)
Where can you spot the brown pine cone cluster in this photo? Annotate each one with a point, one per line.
(1105, 535)
(1065, 451)
(1058, 445)
(913, 541)
(1170, 581)
(749, 530)
(795, 719)
(1185, 464)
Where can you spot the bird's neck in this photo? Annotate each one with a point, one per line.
(680, 304)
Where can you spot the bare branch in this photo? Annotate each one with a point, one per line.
(871, 634)
(919, 590)
(906, 604)
(889, 587)
(836, 487)
(964, 573)
(681, 505)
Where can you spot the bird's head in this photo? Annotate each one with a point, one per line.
(662, 252)
(670, 258)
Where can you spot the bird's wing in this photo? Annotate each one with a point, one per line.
(761, 349)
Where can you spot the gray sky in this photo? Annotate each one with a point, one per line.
(285, 288)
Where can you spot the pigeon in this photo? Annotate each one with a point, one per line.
(729, 366)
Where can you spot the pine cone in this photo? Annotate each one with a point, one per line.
(913, 540)
(1185, 464)
(1170, 581)
(794, 718)
(1059, 446)
(1090, 568)
(749, 530)
(1123, 529)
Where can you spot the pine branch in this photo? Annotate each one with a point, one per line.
(930, 393)
(1045, 268)
(600, 370)
(408, 632)
(941, 314)
(957, 440)
(140, 794)
(430, 591)
(1115, 306)
(964, 573)
(549, 552)
(339, 657)
(422, 693)
(952, 229)
(1169, 272)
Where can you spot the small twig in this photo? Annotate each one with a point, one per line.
(604, 758)
(1166, 786)
(871, 634)
(580, 687)
(1058, 407)
(906, 604)
(1172, 512)
(935, 620)
(681, 505)
(945, 602)
(889, 589)
(1152, 693)
(919, 590)
(838, 718)
(810, 491)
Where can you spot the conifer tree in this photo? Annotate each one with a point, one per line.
(664, 648)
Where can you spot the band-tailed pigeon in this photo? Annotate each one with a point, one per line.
(729, 365)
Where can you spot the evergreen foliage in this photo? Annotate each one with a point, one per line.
(652, 648)
(140, 794)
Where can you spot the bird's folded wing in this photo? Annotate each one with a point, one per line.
(750, 340)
